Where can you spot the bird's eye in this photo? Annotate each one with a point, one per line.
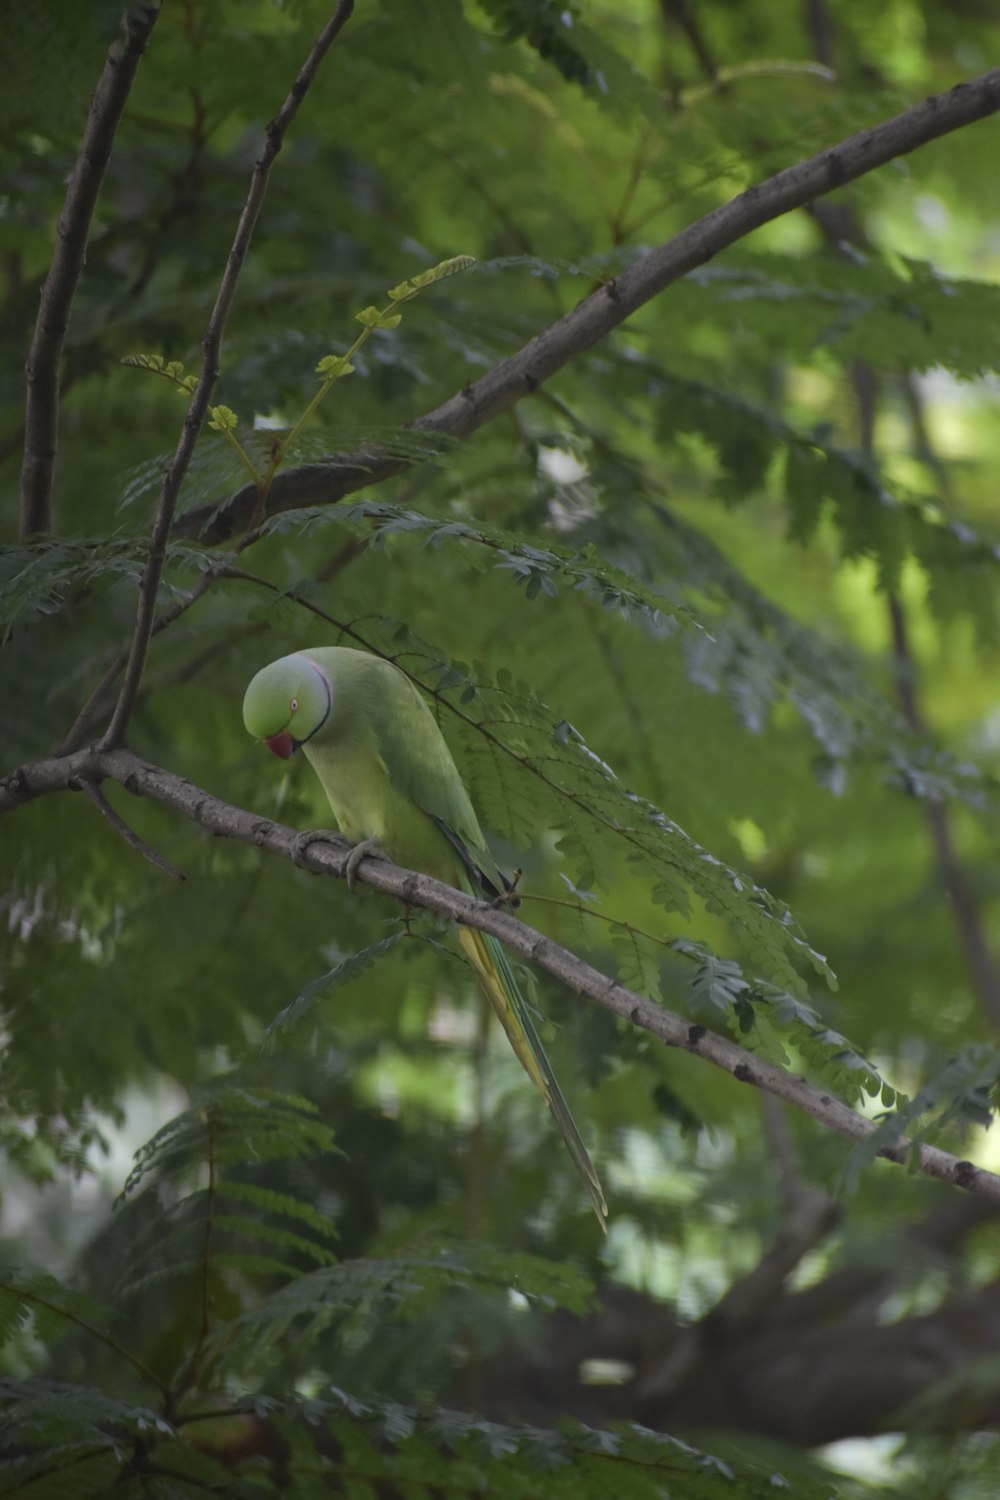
(293, 707)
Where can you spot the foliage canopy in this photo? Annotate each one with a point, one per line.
(709, 620)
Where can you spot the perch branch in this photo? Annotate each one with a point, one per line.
(212, 347)
(141, 778)
(611, 304)
(41, 427)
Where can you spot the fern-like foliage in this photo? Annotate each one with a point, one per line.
(733, 639)
(767, 1020)
(62, 1439)
(232, 1232)
(906, 314)
(193, 1436)
(40, 1304)
(227, 1126)
(66, 1440)
(584, 56)
(874, 518)
(961, 1095)
(355, 1297)
(36, 578)
(320, 988)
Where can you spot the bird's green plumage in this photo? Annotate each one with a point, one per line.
(389, 776)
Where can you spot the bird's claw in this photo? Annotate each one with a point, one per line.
(367, 849)
(508, 896)
(302, 842)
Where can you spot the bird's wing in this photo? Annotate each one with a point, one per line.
(420, 768)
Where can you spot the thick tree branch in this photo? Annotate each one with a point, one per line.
(803, 1385)
(591, 320)
(141, 778)
(212, 348)
(42, 407)
(745, 1306)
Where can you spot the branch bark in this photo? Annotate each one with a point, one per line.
(141, 778)
(605, 309)
(41, 426)
(212, 348)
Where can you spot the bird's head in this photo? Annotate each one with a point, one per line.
(286, 703)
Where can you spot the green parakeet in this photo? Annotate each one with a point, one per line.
(390, 778)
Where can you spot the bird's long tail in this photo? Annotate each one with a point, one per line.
(497, 978)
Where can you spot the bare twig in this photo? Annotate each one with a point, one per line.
(681, 14)
(212, 347)
(42, 369)
(130, 836)
(592, 319)
(820, 25)
(142, 778)
(99, 700)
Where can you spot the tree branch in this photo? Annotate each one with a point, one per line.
(611, 304)
(801, 1385)
(42, 369)
(142, 778)
(130, 836)
(212, 347)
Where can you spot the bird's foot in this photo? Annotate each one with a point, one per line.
(303, 841)
(508, 896)
(367, 849)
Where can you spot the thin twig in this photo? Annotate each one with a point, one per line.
(142, 778)
(822, 32)
(90, 713)
(99, 699)
(598, 314)
(72, 232)
(130, 836)
(682, 15)
(212, 347)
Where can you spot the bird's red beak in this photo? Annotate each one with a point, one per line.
(281, 745)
